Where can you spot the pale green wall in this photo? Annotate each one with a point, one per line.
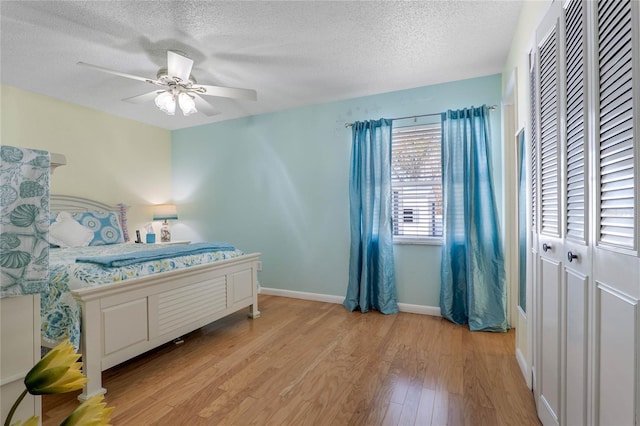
(518, 58)
(278, 184)
(109, 158)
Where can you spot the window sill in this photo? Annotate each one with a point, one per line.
(418, 241)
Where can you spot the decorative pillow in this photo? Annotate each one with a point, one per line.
(66, 232)
(104, 225)
(52, 218)
(123, 222)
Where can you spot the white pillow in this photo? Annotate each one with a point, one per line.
(67, 232)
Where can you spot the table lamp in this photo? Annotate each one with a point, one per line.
(165, 212)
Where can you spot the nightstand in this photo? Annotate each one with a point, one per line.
(174, 243)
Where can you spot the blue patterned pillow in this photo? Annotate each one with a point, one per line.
(105, 226)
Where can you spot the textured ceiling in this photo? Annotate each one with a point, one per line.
(292, 53)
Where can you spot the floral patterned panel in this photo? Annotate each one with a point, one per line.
(61, 314)
(24, 221)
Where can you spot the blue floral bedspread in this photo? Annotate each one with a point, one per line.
(59, 311)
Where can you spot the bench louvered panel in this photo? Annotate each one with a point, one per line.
(188, 304)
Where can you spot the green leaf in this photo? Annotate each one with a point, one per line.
(24, 215)
(8, 241)
(43, 258)
(29, 189)
(11, 154)
(15, 259)
(8, 195)
(40, 161)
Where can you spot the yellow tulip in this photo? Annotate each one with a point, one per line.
(92, 412)
(57, 372)
(31, 421)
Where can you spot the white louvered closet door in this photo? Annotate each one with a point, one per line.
(547, 292)
(616, 266)
(533, 260)
(576, 276)
(584, 159)
(562, 276)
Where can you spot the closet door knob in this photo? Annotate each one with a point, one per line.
(546, 247)
(571, 256)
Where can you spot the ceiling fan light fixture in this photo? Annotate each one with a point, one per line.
(176, 85)
(166, 101)
(187, 104)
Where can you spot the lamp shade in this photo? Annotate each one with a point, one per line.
(166, 101)
(187, 104)
(165, 212)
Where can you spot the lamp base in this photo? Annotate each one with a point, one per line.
(165, 234)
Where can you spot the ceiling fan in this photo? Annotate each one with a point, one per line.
(178, 85)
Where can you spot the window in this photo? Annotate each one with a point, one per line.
(416, 182)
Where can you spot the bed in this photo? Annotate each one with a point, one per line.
(117, 314)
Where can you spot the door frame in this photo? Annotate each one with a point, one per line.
(509, 109)
(518, 318)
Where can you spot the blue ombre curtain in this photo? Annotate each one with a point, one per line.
(371, 265)
(473, 280)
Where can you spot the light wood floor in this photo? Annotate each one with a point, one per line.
(312, 363)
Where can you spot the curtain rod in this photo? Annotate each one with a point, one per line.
(491, 108)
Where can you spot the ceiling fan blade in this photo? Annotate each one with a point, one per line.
(204, 106)
(121, 74)
(147, 97)
(178, 65)
(228, 92)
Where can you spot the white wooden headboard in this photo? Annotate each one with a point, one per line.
(71, 203)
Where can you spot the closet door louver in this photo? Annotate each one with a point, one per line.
(616, 224)
(534, 145)
(548, 54)
(575, 75)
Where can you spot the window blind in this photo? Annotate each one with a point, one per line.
(617, 222)
(416, 180)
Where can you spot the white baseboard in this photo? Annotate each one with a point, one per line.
(328, 298)
(524, 368)
(434, 311)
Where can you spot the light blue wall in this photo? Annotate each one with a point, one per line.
(278, 184)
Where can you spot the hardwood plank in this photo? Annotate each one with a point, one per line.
(456, 411)
(312, 363)
(440, 414)
(374, 334)
(392, 416)
(411, 403)
(144, 412)
(425, 407)
(309, 414)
